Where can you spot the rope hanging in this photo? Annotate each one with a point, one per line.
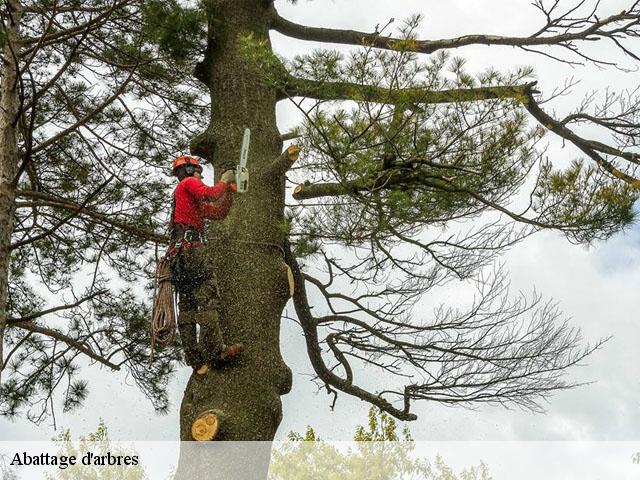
(163, 319)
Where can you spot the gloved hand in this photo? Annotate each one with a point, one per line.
(228, 177)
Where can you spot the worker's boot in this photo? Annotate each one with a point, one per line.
(229, 354)
(189, 338)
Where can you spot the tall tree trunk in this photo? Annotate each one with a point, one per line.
(9, 105)
(247, 248)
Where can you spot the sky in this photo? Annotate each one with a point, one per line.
(595, 287)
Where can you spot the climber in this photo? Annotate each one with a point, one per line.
(192, 274)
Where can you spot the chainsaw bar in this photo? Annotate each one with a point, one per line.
(242, 174)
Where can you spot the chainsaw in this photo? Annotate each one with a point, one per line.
(242, 174)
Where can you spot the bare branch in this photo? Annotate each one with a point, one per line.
(315, 355)
(62, 221)
(562, 30)
(67, 306)
(99, 108)
(43, 199)
(71, 342)
(68, 33)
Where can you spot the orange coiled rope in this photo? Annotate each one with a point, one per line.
(163, 319)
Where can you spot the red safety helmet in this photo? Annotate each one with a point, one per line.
(185, 160)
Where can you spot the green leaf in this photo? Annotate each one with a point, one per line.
(178, 31)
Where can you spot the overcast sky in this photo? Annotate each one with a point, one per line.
(597, 287)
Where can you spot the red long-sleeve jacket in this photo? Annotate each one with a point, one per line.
(192, 202)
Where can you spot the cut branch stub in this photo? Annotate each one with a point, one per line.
(206, 426)
(292, 287)
(307, 190)
(286, 159)
(293, 151)
(290, 135)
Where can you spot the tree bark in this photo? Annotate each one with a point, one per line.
(9, 157)
(247, 248)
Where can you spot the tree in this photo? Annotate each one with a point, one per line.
(420, 145)
(90, 98)
(416, 151)
(98, 444)
(7, 472)
(380, 452)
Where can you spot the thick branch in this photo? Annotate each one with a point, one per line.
(401, 180)
(592, 30)
(309, 326)
(589, 147)
(286, 159)
(293, 134)
(306, 191)
(522, 93)
(300, 87)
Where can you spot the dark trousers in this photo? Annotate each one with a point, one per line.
(198, 304)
